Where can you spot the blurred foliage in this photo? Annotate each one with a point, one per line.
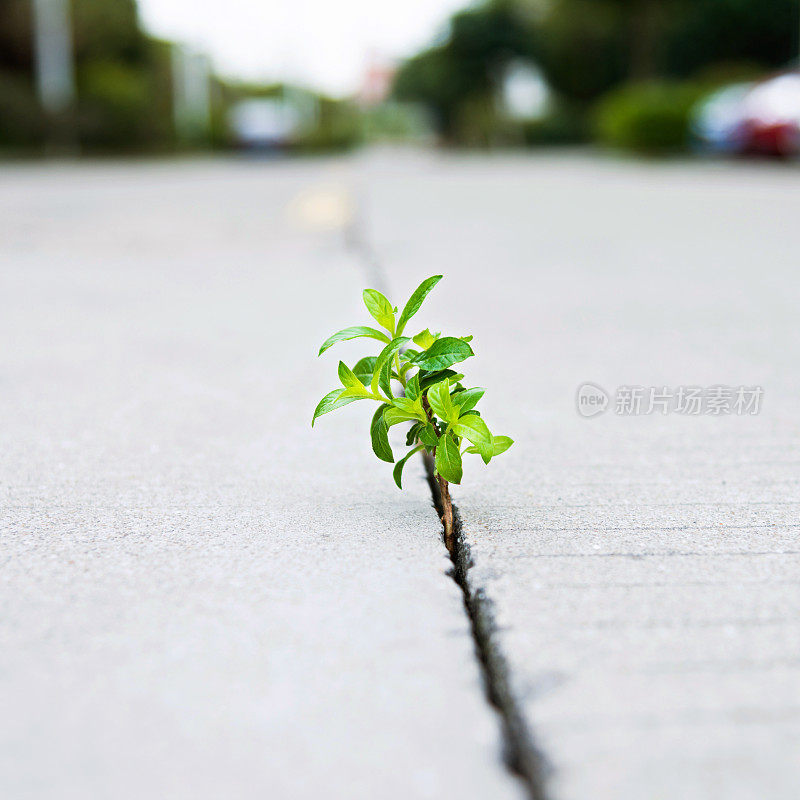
(587, 49)
(583, 50)
(21, 119)
(650, 118)
(107, 30)
(454, 79)
(337, 127)
(591, 46)
(124, 90)
(393, 121)
(113, 97)
(123, 81)
(705, 32)
(432, 79)
(563, 124)
(16, 35)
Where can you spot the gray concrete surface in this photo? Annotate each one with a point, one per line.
(644, 571)
(199, 596)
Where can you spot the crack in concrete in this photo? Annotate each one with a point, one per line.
(520, 754)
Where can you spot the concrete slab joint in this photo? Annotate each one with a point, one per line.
(520, 754)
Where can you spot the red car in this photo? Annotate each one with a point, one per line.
(771, 117)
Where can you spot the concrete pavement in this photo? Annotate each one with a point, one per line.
(200, 597)
(643, 570)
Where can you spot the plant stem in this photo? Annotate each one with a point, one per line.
(447, 514)
(400, 375)
(444, 491)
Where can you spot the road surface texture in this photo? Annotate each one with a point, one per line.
(644, 570)
(201, 597)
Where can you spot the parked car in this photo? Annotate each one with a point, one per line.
(264, 123)
(718, 121)
(772, 117)
(752, 118)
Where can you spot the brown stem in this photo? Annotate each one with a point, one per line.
(447, 513)
(444, 491)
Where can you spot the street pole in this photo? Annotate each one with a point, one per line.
(191, 95)
(55, 73)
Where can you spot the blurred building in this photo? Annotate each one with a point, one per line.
(376, 85)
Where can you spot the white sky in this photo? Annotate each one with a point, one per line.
(321, 43)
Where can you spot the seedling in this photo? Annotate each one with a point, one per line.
(412, 381)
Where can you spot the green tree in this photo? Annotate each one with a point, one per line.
(705, 32)
(123, 80)
(590, 46)
(456, 80)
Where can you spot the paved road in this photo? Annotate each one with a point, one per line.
(643, 569)
(201, 597)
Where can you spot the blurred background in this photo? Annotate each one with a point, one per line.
(655, 77)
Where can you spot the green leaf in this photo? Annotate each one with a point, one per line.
(500, 444)
(394, 416)
(427, 379)
(487, 450)
(348, 377)
(474, 429)
(440, 402)
(397, 472)
(364, 368)
(427, 436)
(412, 388)
(404, 404)
(356, 332)
(413, 432)
(483, 450)
(379, 433)
(410, 407)
(409, 355)
(425, 339)
(352, 385)
(415, 301)
(468, 399)
(385, 378)
(380, 308)
(331, 402)
(448, 459)
(444, 352)
(385, 357)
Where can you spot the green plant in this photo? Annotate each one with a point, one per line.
(650, 118)
(431, 398)
(22, 122)
(563, 124)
